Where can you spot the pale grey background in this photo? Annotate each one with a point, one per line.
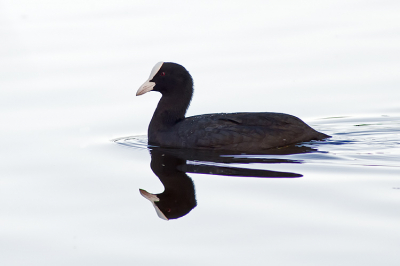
(69, 73)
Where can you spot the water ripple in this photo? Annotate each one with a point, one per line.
(366, 141)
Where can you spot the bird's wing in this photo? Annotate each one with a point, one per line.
(238, 129)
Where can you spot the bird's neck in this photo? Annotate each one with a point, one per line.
(170, 110)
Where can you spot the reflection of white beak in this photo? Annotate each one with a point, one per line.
(153, 198)
(148, 86)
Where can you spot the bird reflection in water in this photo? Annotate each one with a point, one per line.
(171, 166)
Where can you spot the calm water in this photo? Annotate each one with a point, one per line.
(70, 174)
(322, 201)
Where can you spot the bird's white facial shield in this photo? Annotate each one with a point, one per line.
(148, 86)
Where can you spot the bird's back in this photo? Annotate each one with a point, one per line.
(241, 131)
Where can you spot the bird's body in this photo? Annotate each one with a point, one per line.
(235, 131)
(247, 132)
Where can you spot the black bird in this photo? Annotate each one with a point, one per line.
(246, 132)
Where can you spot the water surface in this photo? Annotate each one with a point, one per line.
(69, 194)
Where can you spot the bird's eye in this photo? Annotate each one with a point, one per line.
(162, 74)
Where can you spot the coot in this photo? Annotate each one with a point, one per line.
(246, 132)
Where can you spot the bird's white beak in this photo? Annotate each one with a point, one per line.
(149, 85)
(146, 87)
